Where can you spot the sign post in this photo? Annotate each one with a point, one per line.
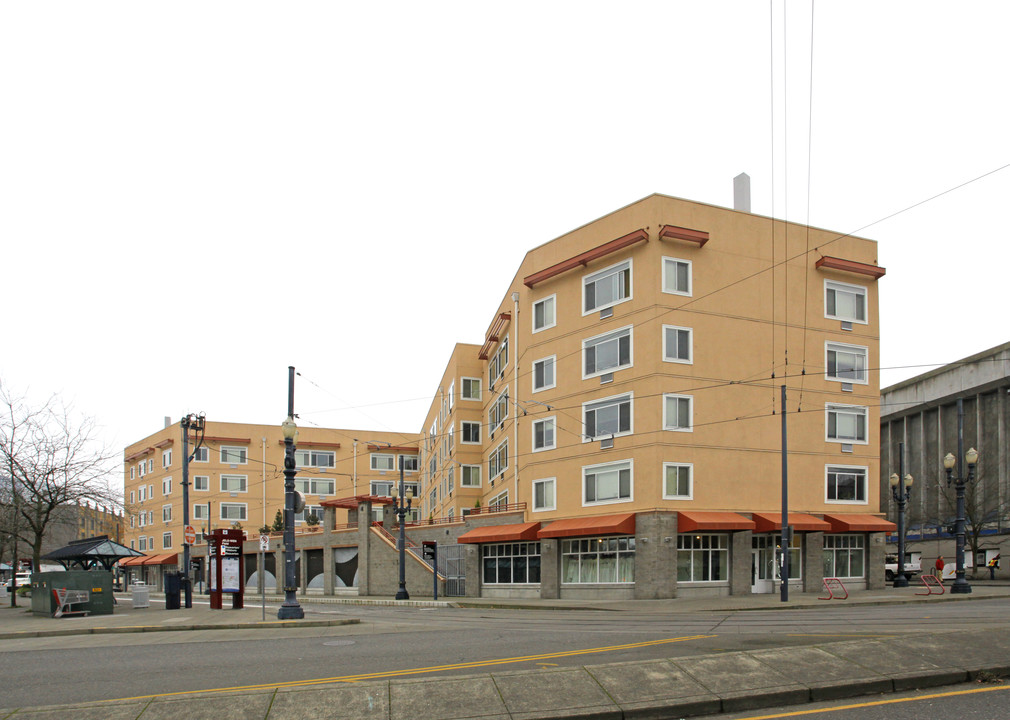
(224, 555)
(264, 547)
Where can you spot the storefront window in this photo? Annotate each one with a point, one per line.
(844, 556)
(769, 560)
(511, 563)
(598, 560)
(702, 558)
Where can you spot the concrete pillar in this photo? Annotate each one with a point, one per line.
(741, 576)
(364, 540)
(813, 562)
(655, 555)
(303, 567)
(875, 553)
(329, 570)
(472, 569)
(279, 568)
(329, 519)
(550, 569)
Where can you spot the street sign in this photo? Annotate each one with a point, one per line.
(189, 535)
(264, 542)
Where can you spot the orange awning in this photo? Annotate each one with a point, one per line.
(166, 559)
(623, 524)
(520, 532)
(801, 522)
(695, 521)
(859, 523)
(138, 560)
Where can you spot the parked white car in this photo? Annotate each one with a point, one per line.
(912, 565)
(23, 579)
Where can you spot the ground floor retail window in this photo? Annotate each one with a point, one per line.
(598, 560)
(768, 557)
(845, 556)
(702, 558)
(511, 563)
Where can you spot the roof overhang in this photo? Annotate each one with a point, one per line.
(519, 532)
(853, 522)
(800, 522)
(694, 521)
(623, 524)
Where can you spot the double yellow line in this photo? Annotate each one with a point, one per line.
(420, 671)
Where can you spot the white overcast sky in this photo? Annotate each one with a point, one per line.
(195, 195)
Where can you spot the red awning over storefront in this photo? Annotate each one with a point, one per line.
(696, 521)
(859, 523)
(521, 532)
(139, 560)
(623, 524)
(166, 559)
(801, 522)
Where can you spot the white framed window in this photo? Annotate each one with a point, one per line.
(606, 288)
(233, 511)
(498, 412)
(544, 495)
(141, 468)
(499, 459)
(598, 560)
(452, 395)
(315, 486)
(234, 483)
(133, 473)
(844, 556)
(702, 558)
(469, 388)
(678, 481)
(846, 363)
(450, 439)
(409, 462)
(166, 486)
(470, 434)
(845, 302)
(143, 493)
(200, 511)
(469, 476)
(846, 423)
(166, 513)
(166, 458)
(315, 458)
(543, 314)
(201, 454)
(608, 483)
(150, 517)
(607, 353)
(201, 482)
(544, 432)
(677, 412)
(308, 510)
(677, 344)
(543, 373)
(676, 276)
(150, 465)
(133, 497)
(846, 484)
(233, 455)
(501, 500)
(383, 461)
(143, 544)
(150, 492)
(608, 416)
(142, 519)
(496, 366)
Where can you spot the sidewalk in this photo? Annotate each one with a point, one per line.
(676, 687)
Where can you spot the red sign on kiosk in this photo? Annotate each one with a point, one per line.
(226, 567)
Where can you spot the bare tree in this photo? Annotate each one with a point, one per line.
(53, 460)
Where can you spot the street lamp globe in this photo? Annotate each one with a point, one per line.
(894, 480)
(949, 461)
(288, 428)
(971, 457)
(909, 480)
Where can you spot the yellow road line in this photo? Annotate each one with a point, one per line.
(419, 671)
(875, 703)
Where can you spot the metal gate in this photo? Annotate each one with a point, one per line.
(451, 566)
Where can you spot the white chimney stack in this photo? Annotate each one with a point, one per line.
(741, 192)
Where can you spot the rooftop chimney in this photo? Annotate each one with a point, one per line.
(168, 421)
(741, 192)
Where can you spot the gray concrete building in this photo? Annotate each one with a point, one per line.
(922, 413)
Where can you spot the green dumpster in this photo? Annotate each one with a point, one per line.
(72, 593)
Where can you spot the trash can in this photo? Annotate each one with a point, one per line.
(140, 595)
(173, 585)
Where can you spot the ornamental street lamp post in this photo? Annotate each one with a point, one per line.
(960, 481)
(401, 509)
(901, 487)
(290, 609)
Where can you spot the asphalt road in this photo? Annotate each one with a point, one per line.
(415, 642)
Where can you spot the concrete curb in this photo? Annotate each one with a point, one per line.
(177, 628)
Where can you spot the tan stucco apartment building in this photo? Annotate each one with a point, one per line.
(618, 433)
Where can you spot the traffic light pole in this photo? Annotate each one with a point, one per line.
(189, 422)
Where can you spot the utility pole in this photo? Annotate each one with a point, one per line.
(196, 423)
(784, 541)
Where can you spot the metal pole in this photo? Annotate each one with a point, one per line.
(263, 585)
(290, 609)
(900, 580)
(784, 541)
(960, 585)
(434, 575)
(401, 513)
(187, 589)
